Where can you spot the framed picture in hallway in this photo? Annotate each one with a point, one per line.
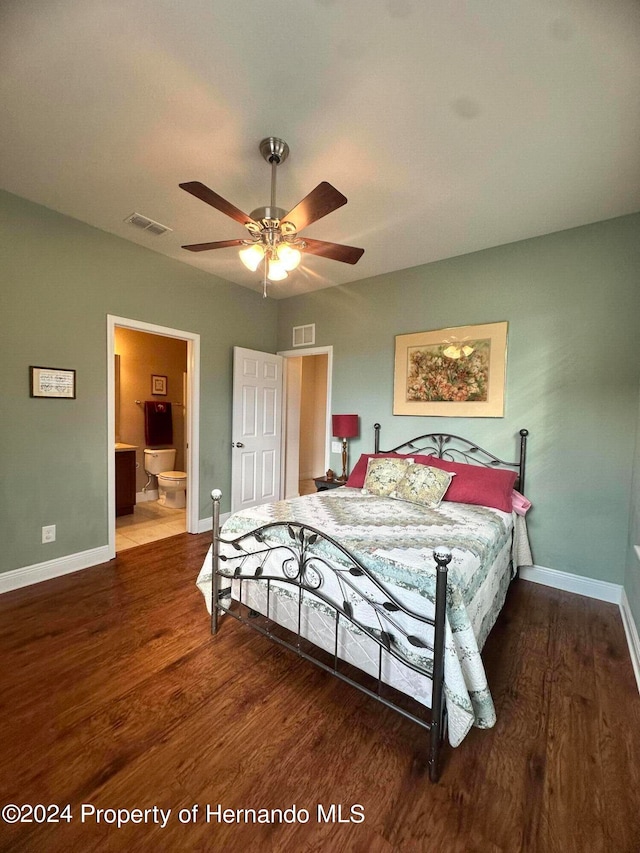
(457, 372)
(159, 385)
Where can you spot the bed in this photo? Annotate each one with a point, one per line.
(393, 596)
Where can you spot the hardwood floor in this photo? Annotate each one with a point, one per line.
(114, 695)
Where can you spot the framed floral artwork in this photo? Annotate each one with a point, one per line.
(457, 372)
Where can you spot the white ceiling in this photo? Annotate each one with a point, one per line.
(449, 126)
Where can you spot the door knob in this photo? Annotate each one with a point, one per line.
(237, 444)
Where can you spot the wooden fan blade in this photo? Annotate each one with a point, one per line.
(221, 244)
(321, 201)
(334, 251)
(209, 197)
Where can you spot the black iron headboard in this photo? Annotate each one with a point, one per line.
(457, 449)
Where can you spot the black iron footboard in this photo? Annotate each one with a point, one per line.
(306, 565)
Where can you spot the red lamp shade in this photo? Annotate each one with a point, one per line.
(345, 426)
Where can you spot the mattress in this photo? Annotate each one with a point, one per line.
(394, 540)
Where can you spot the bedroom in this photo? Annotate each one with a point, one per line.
(570, 297)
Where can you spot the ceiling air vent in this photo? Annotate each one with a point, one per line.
(147, 224)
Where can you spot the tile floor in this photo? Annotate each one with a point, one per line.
(150, 521)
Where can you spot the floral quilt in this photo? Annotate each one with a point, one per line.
(395, 541)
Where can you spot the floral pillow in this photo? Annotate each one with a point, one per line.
(383, 475)
(422, 484)
(356, 477)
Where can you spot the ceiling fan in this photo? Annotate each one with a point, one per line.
(273, 233)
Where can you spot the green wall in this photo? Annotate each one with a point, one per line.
(572, 301)
(59, 280)
(632, 576)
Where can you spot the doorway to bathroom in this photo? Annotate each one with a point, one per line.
(153, 388)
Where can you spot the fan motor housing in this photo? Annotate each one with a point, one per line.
(267, 213)
(274, 150)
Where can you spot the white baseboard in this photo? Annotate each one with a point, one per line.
(17, 578)
(633, 640)
(149, 495)
(206, 524)
(602, 590)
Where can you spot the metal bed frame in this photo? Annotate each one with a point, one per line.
(306, 554)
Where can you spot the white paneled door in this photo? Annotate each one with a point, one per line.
(257, 428)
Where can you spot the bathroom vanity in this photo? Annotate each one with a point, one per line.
(125, 478)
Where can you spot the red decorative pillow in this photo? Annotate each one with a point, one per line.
(475, 484)
(357, 476)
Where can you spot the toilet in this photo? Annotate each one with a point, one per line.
(172, 485)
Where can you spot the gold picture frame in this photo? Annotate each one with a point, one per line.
(458, 372)
(158, 385)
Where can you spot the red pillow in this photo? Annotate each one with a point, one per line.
(359, 473)
(475, 484)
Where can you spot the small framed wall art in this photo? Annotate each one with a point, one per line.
(159, 385)
(458, 372)
(52, 382)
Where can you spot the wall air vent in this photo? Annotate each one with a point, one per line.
(147, 224)
(304, 336)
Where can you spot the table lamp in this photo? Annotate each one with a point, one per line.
(344, 427)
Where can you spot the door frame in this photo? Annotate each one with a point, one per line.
(297, 353)
(192, 414)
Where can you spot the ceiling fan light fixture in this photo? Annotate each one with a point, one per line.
(251, 256)
(273, 231)
(276, 270)
(289, 256)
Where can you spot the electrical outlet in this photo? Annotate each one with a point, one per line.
(49, 533)
(336, 447)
